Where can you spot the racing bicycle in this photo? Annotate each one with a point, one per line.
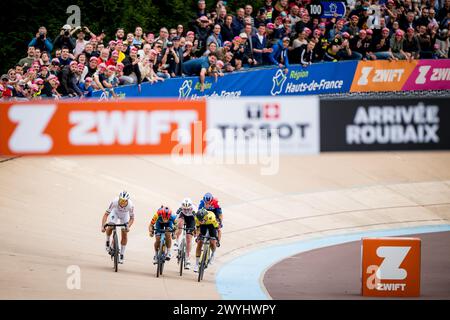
(205, 256)
(182, 250)
(114, 249)
(162, 251)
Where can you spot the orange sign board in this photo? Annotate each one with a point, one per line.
(381, 75)
(391, 267)
(91, 127)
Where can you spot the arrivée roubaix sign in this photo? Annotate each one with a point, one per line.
(398, 124)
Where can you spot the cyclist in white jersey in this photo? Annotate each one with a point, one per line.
(120, 211)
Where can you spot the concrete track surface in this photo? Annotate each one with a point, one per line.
(51, 209)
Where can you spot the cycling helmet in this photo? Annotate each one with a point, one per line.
(207, 197)
(164, 213)
(123, 198)
(186, 205)
(201, 214)
(124, 195)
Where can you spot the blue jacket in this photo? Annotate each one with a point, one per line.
(277, 52)
(46, 45)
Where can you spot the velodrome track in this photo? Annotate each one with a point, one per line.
(51, 209)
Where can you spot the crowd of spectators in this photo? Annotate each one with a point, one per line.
(226, 40)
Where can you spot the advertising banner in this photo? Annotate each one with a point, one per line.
(430, 75)
(316, 79)
(125, 127)
(381, 75)
(375, 124)
(293, 121)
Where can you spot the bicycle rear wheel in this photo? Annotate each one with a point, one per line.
(116, 251)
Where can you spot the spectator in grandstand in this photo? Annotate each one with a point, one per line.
(29, 59)
(279, 54)
(131, 72)
(45, 59)
(443, 44)
(248, 13)
(66, 57)
(201, 8)
(411, 44)
(396, 46)
(380, 47)
(261, 17)
(120, 34)
(304, 54)
(86, 87)
(359, 44)
(247, 59)
(238, 21)
(138, 40)
(202, 31)
(188, 53)
(199, 67)
(259, 44)
(226, 30)
(65, 39)
(212, 47)
(215, 36)
(175, 57)
(110, 81)
(69, 86)
(300, 40)
(55, 67)
(426, 46)
(163, 37)
(41, 41)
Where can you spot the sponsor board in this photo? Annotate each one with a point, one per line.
(316, 79)
(390, 267)
(126, 127)
(430, 75)
(400, 124)
(240, 123)
(381, 75)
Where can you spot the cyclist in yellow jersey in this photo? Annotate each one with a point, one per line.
(205, 221)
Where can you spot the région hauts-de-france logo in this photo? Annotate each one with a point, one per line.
(278, 81)
(185, 89)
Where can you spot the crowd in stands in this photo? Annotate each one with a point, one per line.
(77, 61)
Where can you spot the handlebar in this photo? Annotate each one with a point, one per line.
(164, 230)
(115, 225)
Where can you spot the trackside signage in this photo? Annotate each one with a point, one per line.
(381, 75)
(430, 75)
(400, 124)
(390, 267)
(293, 121)
(126, 127)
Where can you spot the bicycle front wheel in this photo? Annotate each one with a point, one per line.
(182, 256)
(116, 252)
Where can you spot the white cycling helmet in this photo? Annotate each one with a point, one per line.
(186, 204)
(124, 196)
